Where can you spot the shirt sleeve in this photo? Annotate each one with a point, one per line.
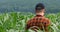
(28, 22)
(47, 22)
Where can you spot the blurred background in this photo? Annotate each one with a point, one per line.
(52, 6)
(15, 13)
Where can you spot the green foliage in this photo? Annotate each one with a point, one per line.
(16, 21)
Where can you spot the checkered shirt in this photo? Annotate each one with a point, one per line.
(39, 21)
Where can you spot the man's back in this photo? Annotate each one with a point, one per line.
(38, 21)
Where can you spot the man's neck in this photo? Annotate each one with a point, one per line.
(39, 14)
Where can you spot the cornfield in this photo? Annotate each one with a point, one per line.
(16, 21)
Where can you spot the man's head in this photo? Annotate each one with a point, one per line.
(40, 9)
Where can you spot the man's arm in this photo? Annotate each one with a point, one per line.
(26, 26)
(47, 25)
(48, 22)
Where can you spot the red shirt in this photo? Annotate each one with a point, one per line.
(39, 21)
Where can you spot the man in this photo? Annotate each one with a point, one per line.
(39, 21)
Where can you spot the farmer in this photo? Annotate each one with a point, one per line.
(39, 21)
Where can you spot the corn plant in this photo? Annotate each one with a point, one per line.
(16, 21)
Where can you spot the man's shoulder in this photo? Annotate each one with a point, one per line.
(31, 19)
(47, 19)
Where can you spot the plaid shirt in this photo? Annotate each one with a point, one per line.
(38, 21)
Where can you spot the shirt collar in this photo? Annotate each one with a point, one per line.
(39, 16)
